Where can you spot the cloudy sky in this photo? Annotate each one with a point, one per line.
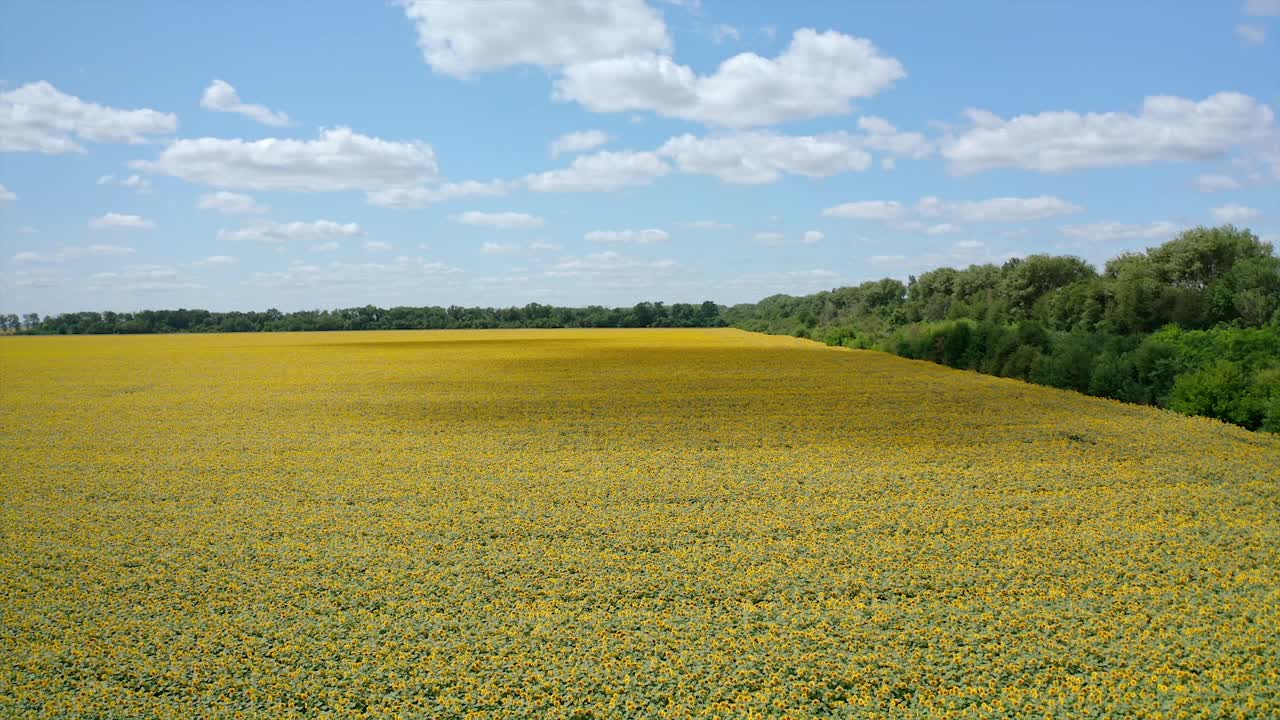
(298, 154)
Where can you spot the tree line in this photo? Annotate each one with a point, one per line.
(1192, 325)
(369, 317)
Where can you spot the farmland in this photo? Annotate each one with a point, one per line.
(612, 524)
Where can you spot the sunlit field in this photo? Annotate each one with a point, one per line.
(614, 524)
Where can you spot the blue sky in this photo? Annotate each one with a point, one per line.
(499, 152)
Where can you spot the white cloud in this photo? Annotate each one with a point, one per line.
(37, 117)
(769, 238)
(1251, 34)
(601, 172)
(1169, 129)
(500, 220)
(1235, 214)
(791, 281)
(1110, 231)
(882, 135)
(400, 274)
(886, 259)
(1010, 209)
(216, 260)
(818, 74)
(1262, 8)
(460, 37)
(628, 237)
(1216, 183)
(220, 96)
(339, 159)
(867, 210)
(493, 248)
(612, 270)
(229, 203)
(134, 182)
(324, 247)
(35, 277)
(576, 142)
(117, 221)
(275, 232)
(416, 197)
(141, 278)
(6, 196)
(723, 32)
(969, 244)
(812, 236)
(66, 254)
(1001, 209)
(377, 246)
(763, 157)
(708, 225)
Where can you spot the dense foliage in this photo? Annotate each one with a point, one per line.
(614, 524)
(533, 315)
(1192, 325)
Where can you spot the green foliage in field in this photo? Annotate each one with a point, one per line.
(1193, 325)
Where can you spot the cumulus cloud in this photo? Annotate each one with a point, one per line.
(416, 197)
(818, 74)
(867, 210)
(1000, 209)
(339, 159)
(763, 157)
(500, 220)
(220, 96)
(229, 203)
(118, 221)
(1168, 129)
(1251, 33)
(1262, 8)
(601, 172)
(708, 225)
(769, 238)
(37, 117)
(492, 248)
(1112, 231)
(376, 246)
(576, 142)
(811, 237)
(1235, 214)
(628, 237)
(1010, 209)
(789, 281)
(74, 252)
(399, 274)
(216, 260)
(133, 182)
(880, 134)
(324, 247)
(1215, 183)
(276, 232)
(141, 278)
(461, 37)
(723, 32)
(6, 196)
(612, 270)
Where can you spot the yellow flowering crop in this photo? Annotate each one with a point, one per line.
(614, 524)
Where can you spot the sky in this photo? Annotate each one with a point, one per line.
(291, 154)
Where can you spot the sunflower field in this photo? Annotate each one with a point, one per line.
(614, 524)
